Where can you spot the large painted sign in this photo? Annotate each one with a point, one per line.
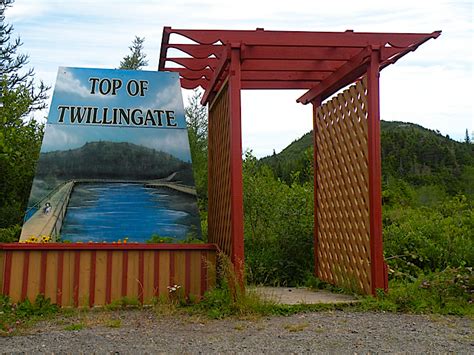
(115, 160)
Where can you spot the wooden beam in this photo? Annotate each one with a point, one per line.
(303, 38)
(251, 75)
(223, 63)
(350, 71)
(199, 50)
(298, 53)
(294, 65)
(278, 85)
(194, 64)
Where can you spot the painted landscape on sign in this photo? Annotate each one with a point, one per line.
(115, 161)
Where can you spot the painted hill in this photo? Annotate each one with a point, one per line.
(111, 160)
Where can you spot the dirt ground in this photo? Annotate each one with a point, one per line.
(143, 331)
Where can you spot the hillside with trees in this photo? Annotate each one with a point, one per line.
(416, 155)
(109, 160)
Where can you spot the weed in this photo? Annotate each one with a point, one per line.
(113, 323)
(296, 327)
(447, 292)
(14, 316)
(72, 327)
(123, 303)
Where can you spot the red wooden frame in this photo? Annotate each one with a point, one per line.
(321, 62)
(104, 246)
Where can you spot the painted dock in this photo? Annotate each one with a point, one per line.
(49, 223)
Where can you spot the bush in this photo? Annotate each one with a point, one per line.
(446, 292)
(424, 240)
(10, 234)
(278, 227)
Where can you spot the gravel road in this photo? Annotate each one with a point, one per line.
(142, 331)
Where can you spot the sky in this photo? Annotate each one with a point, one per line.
(431, 87)
(87, 90)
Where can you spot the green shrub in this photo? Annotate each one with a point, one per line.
(16, 315)
(424, 240)
(446, 292)
(10, 234)
(278, 227)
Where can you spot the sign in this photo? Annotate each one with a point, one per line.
(115, 160)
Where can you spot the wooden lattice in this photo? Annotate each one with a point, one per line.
(219, 190)
(342, 185)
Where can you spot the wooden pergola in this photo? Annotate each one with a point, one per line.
(347, 184)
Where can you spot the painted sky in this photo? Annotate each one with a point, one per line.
(431, 87)
(73, 88)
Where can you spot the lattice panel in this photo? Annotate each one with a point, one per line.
(342, 185)
(219, 217)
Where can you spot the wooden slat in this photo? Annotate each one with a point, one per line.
(148, 277)
(83, 292)
(164, 272)
(34, 275)
(67, 279)
(51, 282)
(132, 274)
(92, 277)
(100, 278)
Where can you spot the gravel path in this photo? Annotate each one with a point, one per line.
(135, 331)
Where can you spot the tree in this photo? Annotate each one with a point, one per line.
(467, 139)
(20, 137)
(196, 119)
(136, 60)
(12, 67)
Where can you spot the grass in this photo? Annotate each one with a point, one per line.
(447, 292)
(72, 327)
(17, 316)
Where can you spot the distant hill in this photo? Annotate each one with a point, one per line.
(410, 152)
(111, 160)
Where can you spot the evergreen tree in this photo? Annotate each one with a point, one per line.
(12, 67)
(467, 139)
(20, 138)
(196, 118)
(136, 60)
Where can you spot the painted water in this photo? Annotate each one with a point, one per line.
(106, 212)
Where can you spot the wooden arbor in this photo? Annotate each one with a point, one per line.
(347, 184)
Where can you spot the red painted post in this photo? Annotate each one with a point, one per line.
(375, 172)
(316, 103)
(237, 210)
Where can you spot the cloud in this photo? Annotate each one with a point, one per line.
(67, 83)
(169, 96)
(172, 141)
(60, 138)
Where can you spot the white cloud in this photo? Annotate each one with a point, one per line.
(57, 138)
(172, 141)
(169, 97)
(67, 83)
